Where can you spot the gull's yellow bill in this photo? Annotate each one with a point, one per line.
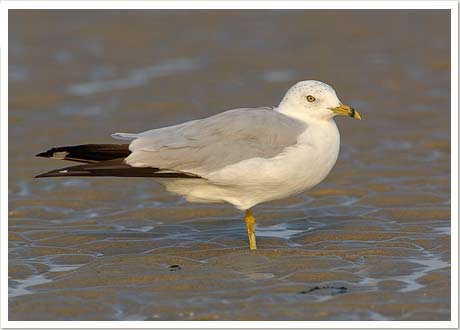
(345, 110)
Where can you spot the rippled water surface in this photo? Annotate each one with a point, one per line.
(372, 242)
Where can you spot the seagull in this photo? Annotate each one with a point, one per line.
(243, 156)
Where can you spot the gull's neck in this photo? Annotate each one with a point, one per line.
(300, 114)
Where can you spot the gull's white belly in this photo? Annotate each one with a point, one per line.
(250, 182)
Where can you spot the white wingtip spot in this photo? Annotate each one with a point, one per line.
(60, 155)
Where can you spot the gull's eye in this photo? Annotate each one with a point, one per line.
(310, 98)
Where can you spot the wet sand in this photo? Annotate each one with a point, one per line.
(372, 242)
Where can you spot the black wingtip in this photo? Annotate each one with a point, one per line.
(45, 154)
(52, 174)
(42, 175)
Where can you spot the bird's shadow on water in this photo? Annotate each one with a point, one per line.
(213, 229)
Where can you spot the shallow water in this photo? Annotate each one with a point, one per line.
(372, 242)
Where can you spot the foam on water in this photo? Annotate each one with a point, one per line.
(136, 77)
(279, 231)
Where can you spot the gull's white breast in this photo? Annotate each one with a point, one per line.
(247, 183)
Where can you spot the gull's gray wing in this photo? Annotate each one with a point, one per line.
(203, 146)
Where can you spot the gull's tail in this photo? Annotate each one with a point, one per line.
(103, 160)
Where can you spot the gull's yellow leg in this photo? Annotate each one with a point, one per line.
(250, 222)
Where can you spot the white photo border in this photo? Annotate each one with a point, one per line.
(7, 5)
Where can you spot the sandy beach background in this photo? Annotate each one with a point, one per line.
(372, 242)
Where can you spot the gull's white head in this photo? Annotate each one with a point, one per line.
(312, 99)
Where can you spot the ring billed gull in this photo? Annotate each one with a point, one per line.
(243, 156)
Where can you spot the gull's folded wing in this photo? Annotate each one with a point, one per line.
(206, 145)
(189, 150)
